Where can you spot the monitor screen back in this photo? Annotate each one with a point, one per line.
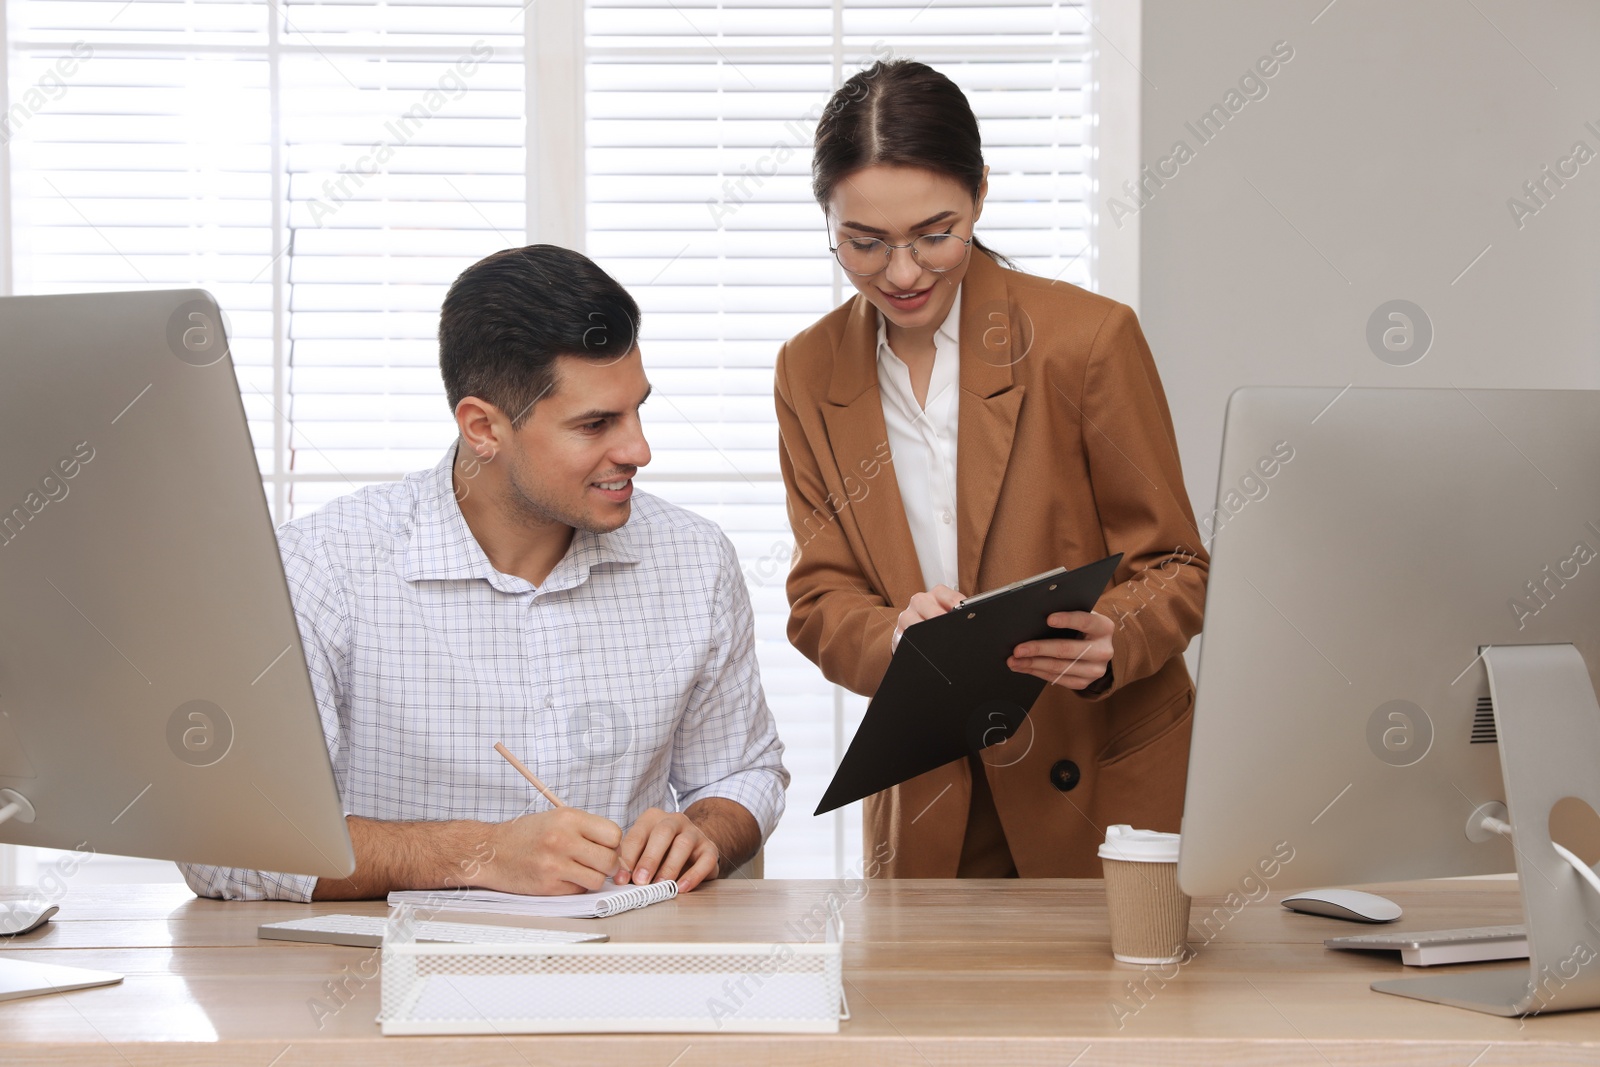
(1365, 545)
(154, 699)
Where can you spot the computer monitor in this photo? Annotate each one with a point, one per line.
(1384, 563)
(154, 700)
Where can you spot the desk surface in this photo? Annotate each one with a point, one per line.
(936, 972)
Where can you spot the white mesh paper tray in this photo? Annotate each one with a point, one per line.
(611, 988)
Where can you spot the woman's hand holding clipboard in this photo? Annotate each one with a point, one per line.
(950, 688)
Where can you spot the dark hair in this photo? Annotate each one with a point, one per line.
(902, 113)
(508, 316)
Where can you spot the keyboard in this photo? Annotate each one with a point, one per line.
(366, 931)
(1428, 948)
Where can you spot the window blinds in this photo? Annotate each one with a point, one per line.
(326, 169)
(700, 118)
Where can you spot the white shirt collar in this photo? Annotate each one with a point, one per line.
(441, 545)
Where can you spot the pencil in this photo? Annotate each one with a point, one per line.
(499, 746)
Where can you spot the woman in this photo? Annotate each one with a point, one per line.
(1028, 430)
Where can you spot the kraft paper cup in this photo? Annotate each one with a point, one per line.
(1149, 913)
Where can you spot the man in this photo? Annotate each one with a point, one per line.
(522, 591)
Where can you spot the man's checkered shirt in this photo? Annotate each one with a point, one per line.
(627, 680)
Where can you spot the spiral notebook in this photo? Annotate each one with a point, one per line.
(596, 905)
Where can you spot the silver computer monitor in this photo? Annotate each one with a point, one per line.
(154, 700)
(1367, 544)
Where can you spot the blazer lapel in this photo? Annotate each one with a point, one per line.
(994, 336)
(859, 441)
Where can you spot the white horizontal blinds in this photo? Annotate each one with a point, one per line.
(155, 162)
(400, 24)
(920, 29)
(699, 203)
(403, 137)
(699, 119)
(168, 23)
(1031, 117)
(400, 138)
(668, 26)
(140, 163)
(1024, 67)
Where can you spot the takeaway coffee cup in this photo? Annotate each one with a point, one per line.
(1149, 913)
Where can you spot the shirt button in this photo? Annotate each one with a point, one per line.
(1064, 775)
(948, 518)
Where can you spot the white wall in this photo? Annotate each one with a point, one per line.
(1114, 141)
(1377, 167)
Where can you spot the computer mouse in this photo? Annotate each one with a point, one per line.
(20, 917)
(1350, 904)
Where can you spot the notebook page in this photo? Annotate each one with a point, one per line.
(602, 902)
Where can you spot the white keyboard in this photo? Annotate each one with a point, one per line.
(366, 931)
(1428, 948)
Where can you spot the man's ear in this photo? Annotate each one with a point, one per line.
(483, 427)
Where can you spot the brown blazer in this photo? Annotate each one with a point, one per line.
(1066, 454)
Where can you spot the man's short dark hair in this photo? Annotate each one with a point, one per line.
(507, 317)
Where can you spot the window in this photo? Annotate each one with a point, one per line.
(700, 118)
(326, 169)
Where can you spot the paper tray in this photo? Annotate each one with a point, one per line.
(611, 988)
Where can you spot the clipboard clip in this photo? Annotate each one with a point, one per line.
(1018, 584)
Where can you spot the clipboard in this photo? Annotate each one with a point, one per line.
(948, 691)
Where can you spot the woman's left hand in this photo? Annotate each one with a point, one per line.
(1072, 664)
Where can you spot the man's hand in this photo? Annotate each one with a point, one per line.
(552, 853)
(929, 605)
(1070, 664)
(667, 845)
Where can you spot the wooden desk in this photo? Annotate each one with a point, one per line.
(937, 973)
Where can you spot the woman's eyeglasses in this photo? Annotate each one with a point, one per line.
(866, 256)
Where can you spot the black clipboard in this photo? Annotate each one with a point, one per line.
(948, 690)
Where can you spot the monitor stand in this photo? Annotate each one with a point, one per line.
(1548, 722)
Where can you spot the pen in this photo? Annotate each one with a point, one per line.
(499, 746)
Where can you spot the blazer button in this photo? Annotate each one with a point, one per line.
(1064, 775)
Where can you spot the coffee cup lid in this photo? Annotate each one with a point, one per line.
(1125, 843)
